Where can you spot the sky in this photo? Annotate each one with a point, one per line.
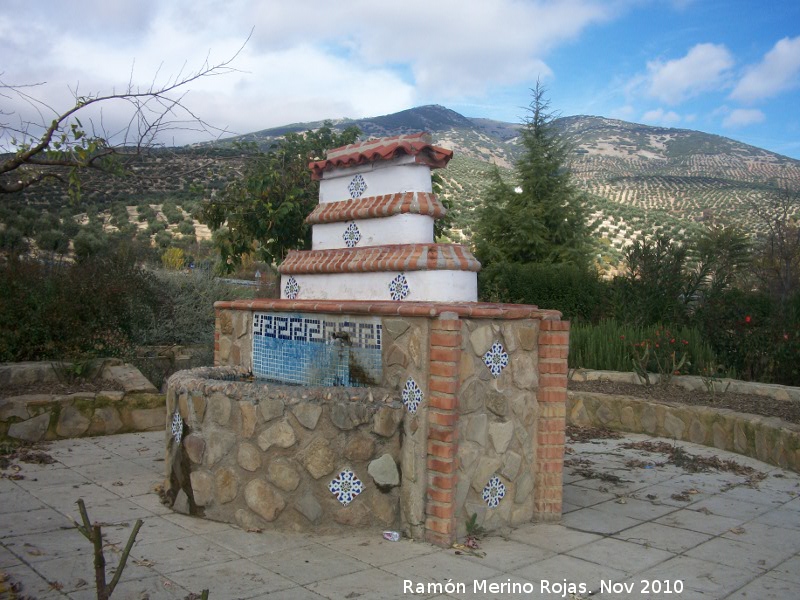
(730, 67)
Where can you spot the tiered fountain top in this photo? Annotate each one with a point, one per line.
(372, 232)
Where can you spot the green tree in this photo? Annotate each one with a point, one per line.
(262, 214)
(541, 218)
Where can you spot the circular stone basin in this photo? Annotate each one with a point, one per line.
(265, 455)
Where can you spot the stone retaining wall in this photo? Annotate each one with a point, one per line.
(768, 439)
(37, 417)
(264, 455)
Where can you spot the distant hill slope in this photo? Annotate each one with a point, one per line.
(638, 179)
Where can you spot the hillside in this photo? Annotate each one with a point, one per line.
(638, 179)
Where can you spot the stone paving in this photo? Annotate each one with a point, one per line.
(723, 539)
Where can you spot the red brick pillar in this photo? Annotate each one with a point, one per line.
(445, 354)
(552, 397)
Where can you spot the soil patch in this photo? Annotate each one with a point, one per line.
(745, 403)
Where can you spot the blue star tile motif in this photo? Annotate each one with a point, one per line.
(494, 492)
(398, 288)
(351, 235)
(346, 486)
(412, 396)
(357, 186)
(292, 288)
(496, 359)
(177, 427)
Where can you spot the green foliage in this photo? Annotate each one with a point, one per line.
(89, 242)
(186, 228)
(663, 354)
(163, 239)
(609, 346)
(576, 292)
(53, 241)
(542, 219)
(263, 213)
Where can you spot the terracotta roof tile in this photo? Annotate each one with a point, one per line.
(371, 207)
(417, 145)
(399, 257)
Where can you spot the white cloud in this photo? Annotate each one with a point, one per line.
(741, 117)
(704, 68)
(661, 117)
(305, 61)
(778, 71)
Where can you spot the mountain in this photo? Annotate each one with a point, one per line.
(638, 179)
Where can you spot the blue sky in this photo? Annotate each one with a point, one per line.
(727, 67)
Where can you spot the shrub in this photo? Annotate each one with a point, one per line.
(577, 293)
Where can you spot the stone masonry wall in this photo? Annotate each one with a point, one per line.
(264, 455)
(482, 392)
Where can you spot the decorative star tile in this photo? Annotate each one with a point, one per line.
(398, 288)
(292, 288)
(357, 186)
(496, 359)
(494, 492)
(412, 396)
(346, 486)
(177, 427)
(351, 235)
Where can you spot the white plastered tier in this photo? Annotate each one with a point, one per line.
(425, 286)
(394, 176)
(397, 229)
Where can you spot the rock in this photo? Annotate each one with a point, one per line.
(181, 503)
(202, 487)
(195, 447)
(384, 507)
(359, 447)
(71, 423)
(509, 338)
(355, 514)
(497, 403)
(501, 434)
(199, 405)
(528, 336)
(511, 464)
(110, 395)
(649, 420)
(415, 347)
(318, 458)
(524, 371)
(281, 473)
(105, 421)
(218, 409)
(486, 468)
(271, 408)
(628, 418)
(10, 407)
(476, 429)
(466, 366)
(674, 426)
(226, 485)
(148, 419)
(218, 444)
(32, 430)
(395, 327)
(347, 416)
(263, 500)
(248, 521)
(481, 340)
(248, 411)
(309, 507)
(307, 414)
(605, 415)
(721, 437)
(386, 420)
(384, 472)
(471, 399)
(225, 322)
(524, 488)
(224, 352)
(468, 453)
(281, 435)
(396, 356)
(248, 457)
(129, 377)
(697, 432)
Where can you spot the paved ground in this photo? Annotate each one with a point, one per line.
(724, 542)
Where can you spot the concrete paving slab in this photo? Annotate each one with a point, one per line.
(237, 579)
(626, 557)
(738, 542)
(663, 537)
(309, 564)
